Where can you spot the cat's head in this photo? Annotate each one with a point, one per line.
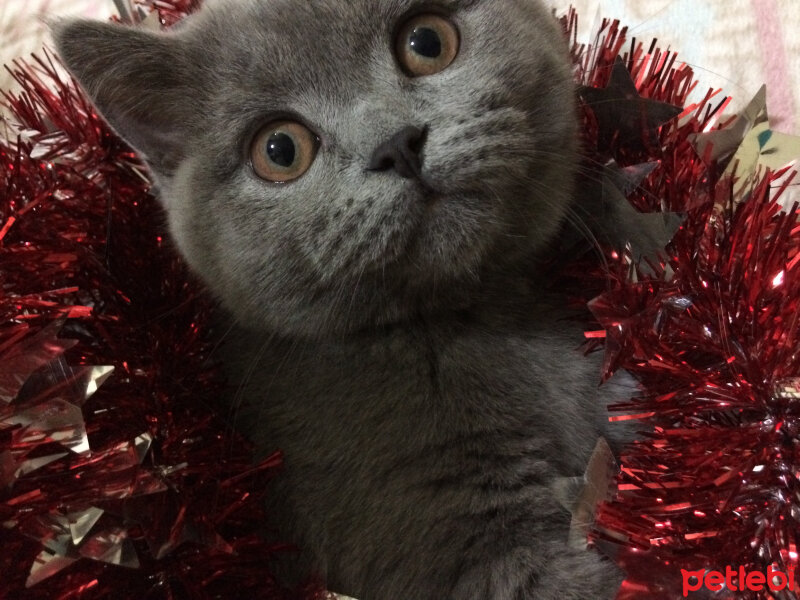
(328, 165)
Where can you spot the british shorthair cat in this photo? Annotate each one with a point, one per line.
(371, 188)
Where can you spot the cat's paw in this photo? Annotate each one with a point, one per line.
(542, 573)
(581, 576)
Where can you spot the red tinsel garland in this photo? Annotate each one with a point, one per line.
(126, 484)
(123, 484)
(711, 333)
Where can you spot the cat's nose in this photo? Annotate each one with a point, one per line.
(400, 152)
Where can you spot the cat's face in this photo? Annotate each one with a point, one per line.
(329, 165)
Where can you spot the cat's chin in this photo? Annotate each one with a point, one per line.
(421, 285)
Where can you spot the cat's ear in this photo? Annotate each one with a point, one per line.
(142, 82)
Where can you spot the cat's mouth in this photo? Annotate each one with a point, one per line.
(447, 235)
(427, 184)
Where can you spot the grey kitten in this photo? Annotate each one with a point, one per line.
(371, 188)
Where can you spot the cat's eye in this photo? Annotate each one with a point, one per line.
(283, 150)
(427, 44)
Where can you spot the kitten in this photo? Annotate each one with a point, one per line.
(371, 187)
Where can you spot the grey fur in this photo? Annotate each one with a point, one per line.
(403, 349)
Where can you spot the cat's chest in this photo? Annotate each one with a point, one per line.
(395, 372)
(411, 429)
(412, 388)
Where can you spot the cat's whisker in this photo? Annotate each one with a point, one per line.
(354, 293)
(574, 218)
(242, 389)
(588, 173)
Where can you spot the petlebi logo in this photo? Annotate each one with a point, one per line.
(739, 580)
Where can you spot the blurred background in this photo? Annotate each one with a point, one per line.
(733, 44)
(22, 29)
(736, 45)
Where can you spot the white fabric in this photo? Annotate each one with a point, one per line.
(736, 45)
(22, 28)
